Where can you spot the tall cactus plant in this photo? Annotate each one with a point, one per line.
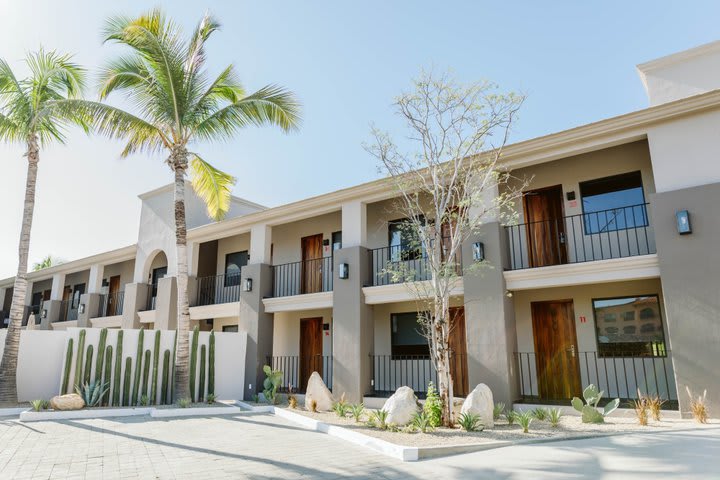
(118, 370)
(107, 377)
(211, 363)
(201, 384)
(79, 361)
(100, 356)
(156, 361)
(165, 377)
(88, 364)
(193, 360)
(138, 366)
(126, 382)
(68, 366)
(172, 370)
(146, 372)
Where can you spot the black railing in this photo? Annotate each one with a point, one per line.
(618, 376)
(66, 311)
(391, 372)
(296, 370)
(151, 297)
(223, 288)
(399, 264)
(307, 276)
(111, 304)
(614, 233)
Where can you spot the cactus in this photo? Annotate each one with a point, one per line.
(126, 382)
(68, 365)
(88, 364)
(201, 385)
(146, 373)
(118, 370)
(193, 361)
(165, 377)
(172, 372)
(79, 361)
(156, 360)
(138, 366)
(100, 356)
(211, 364)
(107, 375)
(590, 413)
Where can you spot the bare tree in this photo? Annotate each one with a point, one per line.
(449, 182)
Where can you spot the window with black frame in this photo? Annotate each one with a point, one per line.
(233, 267)
(613, 203)
(404, 241)
(406, 336)
(641, 333)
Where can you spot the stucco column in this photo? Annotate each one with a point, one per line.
(52, 310)
(135, 300)
(354, 224)
(260, 243)
(489, 316)
(257, 324)
(92, 304)
(166, 304)
(58, 286)
(95, 278)
(352, 326)
(29, 294)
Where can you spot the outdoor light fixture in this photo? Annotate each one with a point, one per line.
(343, 271)
(81, 308)
(247, 285)
(478, 251)
(683, 222)
(44, 313)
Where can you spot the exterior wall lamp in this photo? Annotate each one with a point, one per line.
(478, 251)
(683, 222)
(247, 285)
(343, 271)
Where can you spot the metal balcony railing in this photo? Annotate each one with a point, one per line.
(111, 304)
(216, 289)
(297, 370)
(398, 264)
(298, 278)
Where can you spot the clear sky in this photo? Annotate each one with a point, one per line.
(345, 61)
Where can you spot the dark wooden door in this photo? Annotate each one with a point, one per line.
(310, 349)
(545, 227)
(458, 351)
(112, 296)
(556, 353)
(312, 264)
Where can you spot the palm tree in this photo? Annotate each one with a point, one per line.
(177, 104)
(46, 262)
(33, 113)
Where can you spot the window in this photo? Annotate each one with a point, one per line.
(613, 203)
(233, 266)
(157, 274)
(230, 328)
(628, 341)
(78, 290)
(336, 241)
(406, 337)
(404, 241)
(647, 313)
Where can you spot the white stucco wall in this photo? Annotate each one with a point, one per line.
(236, 243)
(124, 269)
(286, 331)
(286, 238)
(39, 360)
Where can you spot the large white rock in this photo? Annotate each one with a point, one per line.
(71, 401)
(480, 402)
(401, 406)
(316, 390)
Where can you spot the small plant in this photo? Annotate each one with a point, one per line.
(433, 405)
(341, 408)
(292, 401)
(92, 392)
(273, 380)
(38, 405)
(498, 410)
(554, 415)
(313, 406)
(655, 404)
(524, 419)
(409, 428)
(641, 409)
(378, 419)
(356, 410)
(144, 400)
(470, 422)
(511, 416)
(210, 398)
(422, 422)
(590, 413)
(540, 414)
(256, 398)
(698, 407)
(184, 402)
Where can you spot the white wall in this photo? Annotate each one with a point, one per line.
(124, 269)
(286, 238)
(39, 359)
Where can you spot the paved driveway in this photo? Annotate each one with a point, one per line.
(264, 446)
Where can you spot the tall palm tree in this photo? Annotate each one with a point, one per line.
(177, 103)
(32, 113)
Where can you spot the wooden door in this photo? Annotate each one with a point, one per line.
(112, 295)
(458, 351)
(556, 353)
(310, 349)
(311, 275)
(545, 227)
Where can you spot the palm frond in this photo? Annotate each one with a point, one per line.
(195, 57)
(212, 186)
(128, 72)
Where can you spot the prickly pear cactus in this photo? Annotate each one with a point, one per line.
(589, 411)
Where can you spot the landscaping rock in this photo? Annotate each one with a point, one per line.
(71, 401)
(316, 390)
(401, 406)
(480, 402)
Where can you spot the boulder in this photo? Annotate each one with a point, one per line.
(480, 402)
(316, 390)
(401, 406)
(71, 401)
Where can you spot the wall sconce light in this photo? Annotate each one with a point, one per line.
(683, 222)
(478, 251)
(247, 285)
(81, 308)
(343, 271)
(44, 313)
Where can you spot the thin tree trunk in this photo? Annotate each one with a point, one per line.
(8, 365)
(182, 386)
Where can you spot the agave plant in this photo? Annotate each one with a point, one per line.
(92, 392)
(590, 413)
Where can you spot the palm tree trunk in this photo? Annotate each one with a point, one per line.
(178, 161)
(8, 365)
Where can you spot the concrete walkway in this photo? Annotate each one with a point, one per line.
(264, 446)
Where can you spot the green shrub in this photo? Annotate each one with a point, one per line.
(38, 405)
(590, 413)
(511, 416)
(540, 414)
(273, 380)
(524, 419)
(92, 392)
(554, 416)
(184, 402)
(356, 410)
(378, 419)
(422, 422)
(341, 407)
(210, 398)
(498, 410)
(470, 422)
(433, 406)
(144, 400)
(256, 398)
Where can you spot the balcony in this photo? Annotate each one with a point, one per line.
(400, 264)
(300, 278)
(111, 304)
(603, 235)
(218, 289)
